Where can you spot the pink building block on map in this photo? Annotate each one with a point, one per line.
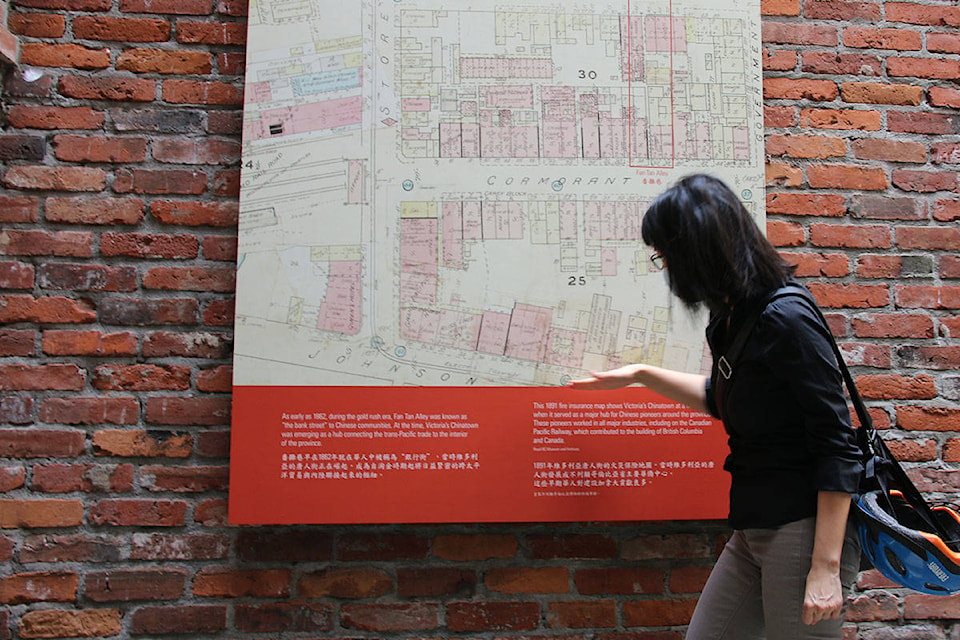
(565, 347)
(458, 329)
(472, 221)
(509, 142)
(451, 140)
(340, 310)
(419, 253)
(494, 327)
(529, 326)
(452, 234)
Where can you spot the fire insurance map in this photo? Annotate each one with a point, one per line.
(450, 193)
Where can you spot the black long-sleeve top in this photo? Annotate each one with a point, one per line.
(785, 412)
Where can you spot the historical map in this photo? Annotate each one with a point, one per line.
(441, 193)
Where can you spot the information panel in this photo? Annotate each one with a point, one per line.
(440, 218)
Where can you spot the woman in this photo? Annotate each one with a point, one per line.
(794, 459)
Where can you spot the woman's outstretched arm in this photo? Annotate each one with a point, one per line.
(685, 388)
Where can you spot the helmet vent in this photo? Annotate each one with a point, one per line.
(894, 561)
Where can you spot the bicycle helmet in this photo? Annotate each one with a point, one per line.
(891, 536)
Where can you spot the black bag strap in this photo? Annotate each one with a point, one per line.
(881, 467)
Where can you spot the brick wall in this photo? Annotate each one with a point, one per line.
(118, 205)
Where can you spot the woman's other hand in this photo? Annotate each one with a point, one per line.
(612, 379)
(823, 598)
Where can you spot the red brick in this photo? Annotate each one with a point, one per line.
(840, 119)
(74, 148)
(121, 29)
(915, 13)
(889, 150)
(142, 444)
(818, 265)
(658, 613)
(54, 118)
(853, 296)
(60, 377)
(17, 146)
(181, 7)
(213, 444)
(141, 377)
(239, 7)
(833, 63)
(140, 312)
(582, 614)
(138, 513)
(192, 479)
(470, 547)
(923, 68)
(932, 238)
(675, 546)
(871, 38)
(37, 25)
(929, 357)
(149, 245)
(780, 174)
(83, 277)
(283, 617)
(70, 623)
(839, 176)
(219, 313)
(40, 443)
(785, 234)
(928, 297)
(182, 546)
(231, 64)
(191, 278)
(951, 450)
(216, 380)
(215, 214)
(11, 478)
(55, 178)
(297, 545)
(186, 619)
(17, 342)
(233, 583)
(842, 10)
(177, 62)
(618, 581)
(88, 343)
(944, 97)
(873, 607)
(25, 588)
(893, 386)
(492, 616)
(780, 7)
(928, 418)
(63, 55)
(879, 93)
(201, 92)
(181, 151)
(923, 123)
(433, 582)
(950, 267)
(945, 153)
(801, 34)
(215, 33)
(94, 210)
(135, 584)
(16, 275)
(53, 310)
(688, 579)
(19, 208)
(226, 183)
(37, 514)
(160, 344)
(35, 242)
(358, 583)
(943, 42)
(71, 548)
(851, 236)
(886, 207)
(515, 580)
(70, 478)
(946, 210)
(805, 146)
(572, 546)
(188, 411)
(224, 122)
(913, 450)
(779, 59)
(221, 248)
(160, 182)
(16, 409)
(799, 89)
(108, 88)
(67, 5)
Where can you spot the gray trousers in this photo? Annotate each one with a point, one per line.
(756, 589)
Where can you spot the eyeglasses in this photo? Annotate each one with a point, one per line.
(656, 259)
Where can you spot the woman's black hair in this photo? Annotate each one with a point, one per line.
(714, 252)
